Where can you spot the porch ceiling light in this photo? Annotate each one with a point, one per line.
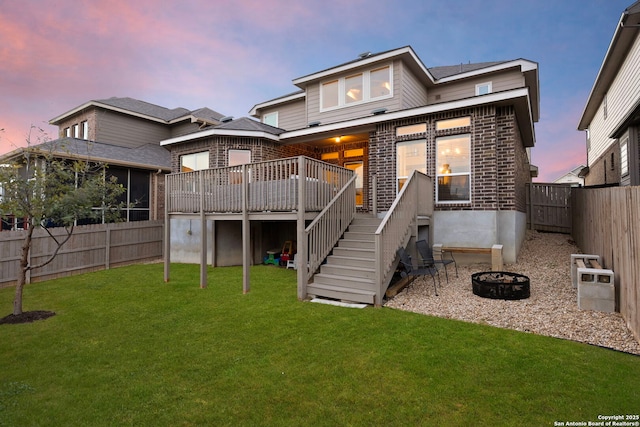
(338, 138)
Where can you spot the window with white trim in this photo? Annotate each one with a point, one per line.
(357, 88)
(270, 119)
(194, 162)
(410, 156)
(85, 130)
(453, 169)
(76, 131)
(67, 132)
(624, 156)
(239, 157)
(483, 88)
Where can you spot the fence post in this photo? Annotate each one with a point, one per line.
(107, 255)
(302, 257)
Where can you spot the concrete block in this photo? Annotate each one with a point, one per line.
(586, 257)
(496, 258)
(596, 289)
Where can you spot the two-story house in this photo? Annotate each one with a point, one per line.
(125, 134)
(611, 117)
(466, 129)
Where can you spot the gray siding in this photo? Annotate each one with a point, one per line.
(183, 128)
(460, 90)
(412, 92)
(291, 115)
(119, 129)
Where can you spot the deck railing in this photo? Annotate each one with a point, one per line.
(395, 230)
(272, 186)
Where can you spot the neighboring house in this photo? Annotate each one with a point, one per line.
(611, 117)
(573, 177)
(382, 116)
(125, 134)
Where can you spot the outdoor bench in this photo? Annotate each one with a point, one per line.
(495, 251)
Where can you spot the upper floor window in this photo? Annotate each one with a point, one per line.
(453, 168)
(483, 88)
(194, 162)
(67, 132)
(76, 131)
(270, 119)
(356, 88)
(85, 129)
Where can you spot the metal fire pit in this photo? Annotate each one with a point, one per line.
(500, 285)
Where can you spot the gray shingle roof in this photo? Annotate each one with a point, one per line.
(247, 124)
(152, 110)
(151, 156)
(451, 70)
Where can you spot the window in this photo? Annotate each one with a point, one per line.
(411, 129)
(85, 129)
(410, 156)
(270, 119)
(483, 88)
(453, 168)
(194, 162)
(329, 95)
(239, 157)
(67, 132)
(453, 123)
(356, 88)
(137, 184)
(624, 156)
(76, 131)
(353, 89)
(380, 83)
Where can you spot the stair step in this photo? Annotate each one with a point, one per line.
(356, 235)
(363, 228)
(354, 252)
(351, 261)
(341, 293)
(358, 244)
(344, 281)
(348, 271)
(366, 221)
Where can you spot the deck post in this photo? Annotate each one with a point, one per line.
(302, 254)
(167, 230)
(213, 243)
(246, 230)
(203, 237)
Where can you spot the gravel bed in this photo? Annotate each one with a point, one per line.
(551, 310)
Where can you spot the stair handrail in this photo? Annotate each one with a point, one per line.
(325, 230)
(395, 229)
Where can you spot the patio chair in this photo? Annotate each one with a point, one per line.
(426, 253)
(411, 271)
(291, 263)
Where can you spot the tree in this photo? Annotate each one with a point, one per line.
(49, 191)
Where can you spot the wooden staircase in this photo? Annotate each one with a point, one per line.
(349, 272)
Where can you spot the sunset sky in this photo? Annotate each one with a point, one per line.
(231, 55)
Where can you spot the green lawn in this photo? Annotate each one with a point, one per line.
(125, 348)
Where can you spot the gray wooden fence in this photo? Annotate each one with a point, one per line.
(606, 222)
(549, 207)
(91, 248)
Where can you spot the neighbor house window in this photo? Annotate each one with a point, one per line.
(67, 132)
(357, 88)
(194, 162)
(483, 88)
(624, 156)
(85, 130)
(453, 123)
(271, 119)
(239, 157)
(76, 131)
(410, 156)
(453, 168)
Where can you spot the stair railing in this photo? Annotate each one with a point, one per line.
(399, 224)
